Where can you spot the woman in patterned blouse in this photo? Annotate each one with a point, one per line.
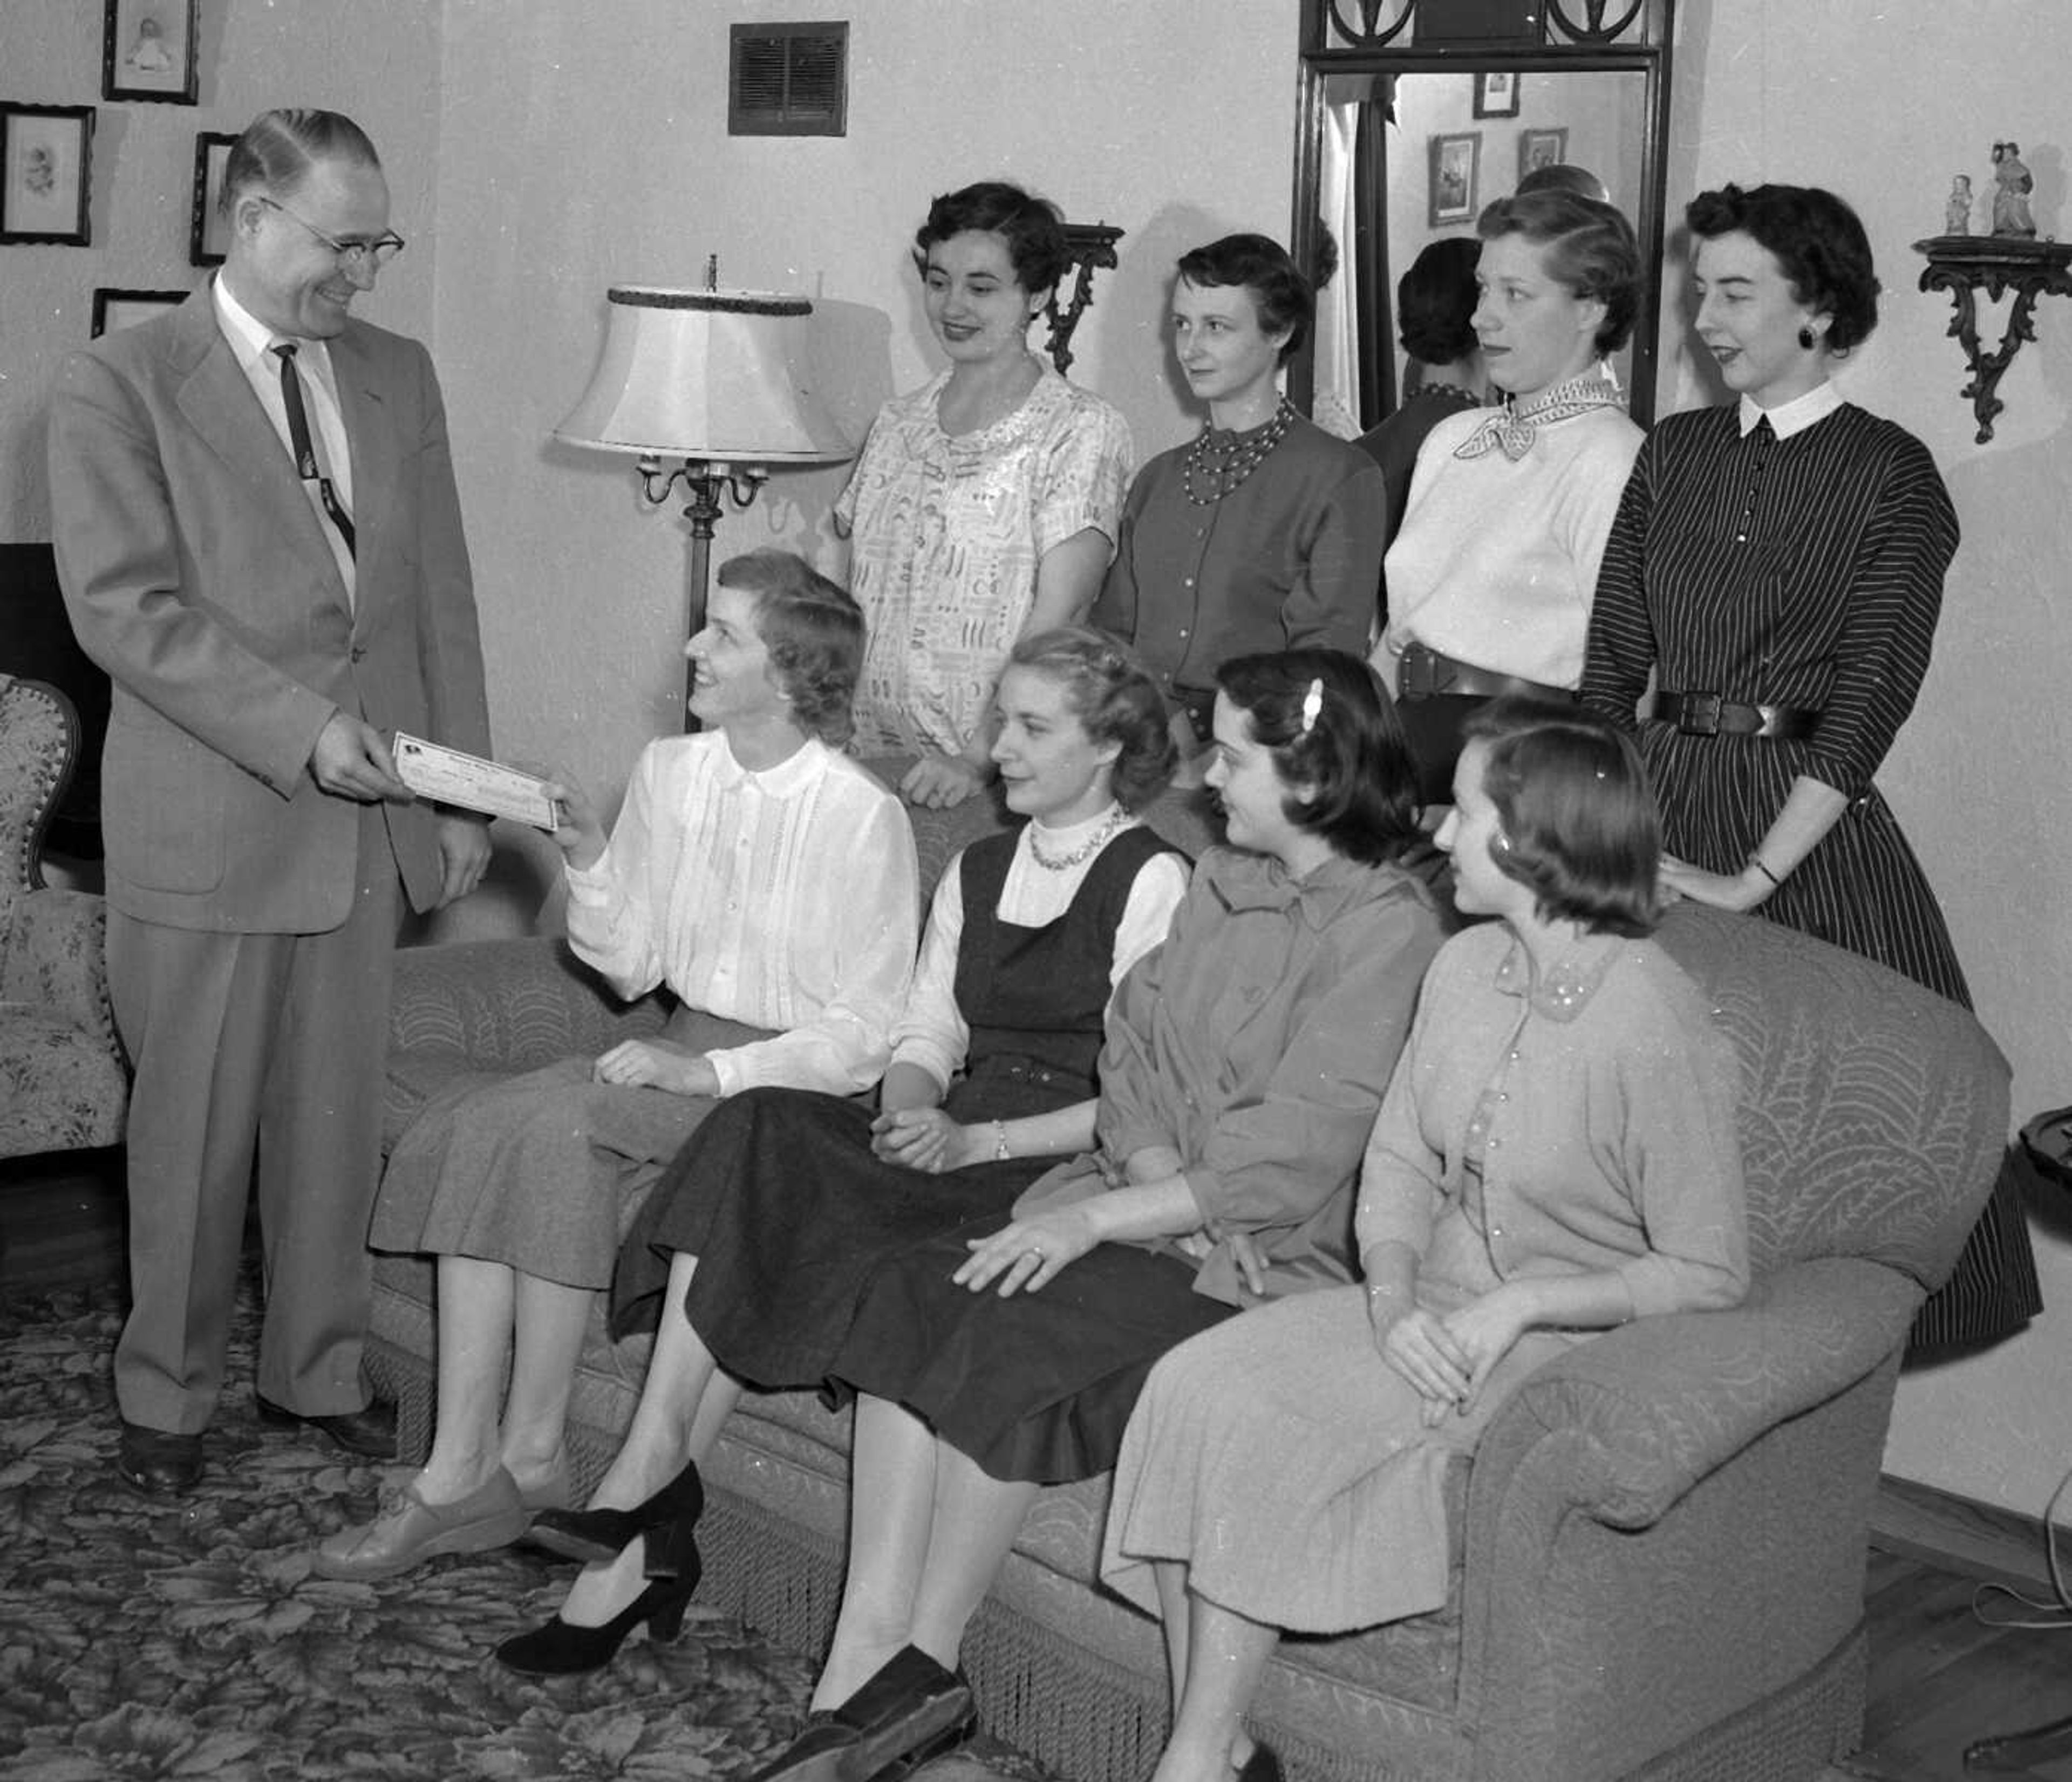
(985, 504)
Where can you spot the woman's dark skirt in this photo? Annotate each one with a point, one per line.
(1036, 1386)
(789, 1214)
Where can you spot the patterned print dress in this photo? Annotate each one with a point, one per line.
(948, 534)
(1803, 571)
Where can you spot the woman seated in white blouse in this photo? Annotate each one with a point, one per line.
(769, 882)
(1492, 570)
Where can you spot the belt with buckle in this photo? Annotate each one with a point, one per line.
(1708, 715)
(1422, 672)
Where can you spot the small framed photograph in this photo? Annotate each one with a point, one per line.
(1456, 167)
(208, 240)
(148, 51)
(1496, 93)
(113, 310)
(46, 158)
(1541, 149)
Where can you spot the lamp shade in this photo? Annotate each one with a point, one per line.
(705, 374)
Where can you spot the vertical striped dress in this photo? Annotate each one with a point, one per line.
(1803, 571)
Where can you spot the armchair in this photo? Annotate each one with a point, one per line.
(63, 1084)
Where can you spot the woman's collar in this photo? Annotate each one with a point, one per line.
(1564, 988)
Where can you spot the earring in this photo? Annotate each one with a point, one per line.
(1806, 338)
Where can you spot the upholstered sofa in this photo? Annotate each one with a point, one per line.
(64, 1084)
(1660, 1544)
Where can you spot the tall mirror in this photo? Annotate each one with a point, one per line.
(1416, 113)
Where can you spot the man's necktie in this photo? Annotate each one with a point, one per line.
(306, 455)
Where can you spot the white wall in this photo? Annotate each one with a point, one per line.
(378, 60)
(583, 144)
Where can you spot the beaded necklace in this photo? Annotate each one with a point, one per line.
(1225, 461)
(1087, 849)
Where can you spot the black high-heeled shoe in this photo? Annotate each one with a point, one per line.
(561, 1649)
(596, 1536)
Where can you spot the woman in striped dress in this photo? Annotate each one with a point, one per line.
(1778, 563)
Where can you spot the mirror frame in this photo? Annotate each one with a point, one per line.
(1464, 37)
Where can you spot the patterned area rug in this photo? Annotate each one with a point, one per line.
(146, 1638)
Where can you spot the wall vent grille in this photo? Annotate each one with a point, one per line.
(788, 80)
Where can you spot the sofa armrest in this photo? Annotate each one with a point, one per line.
(1645, 1412)
(57, 959)
(508, 1005)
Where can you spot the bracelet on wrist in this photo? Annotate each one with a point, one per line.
(1000, 1153)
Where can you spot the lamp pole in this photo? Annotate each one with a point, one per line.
(705, 481)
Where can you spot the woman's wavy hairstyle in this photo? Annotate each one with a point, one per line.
(1116, 701)
(1033, 227)
(1591, 249)
(1331, 727)
(814, 633)
(1259, 264)
(1818, 242)
(1578, 822)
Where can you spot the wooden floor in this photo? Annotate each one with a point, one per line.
(1941, 1679)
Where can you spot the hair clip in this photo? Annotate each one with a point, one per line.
(1313, 704)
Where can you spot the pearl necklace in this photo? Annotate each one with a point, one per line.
(1226, 463)
(1087, 849)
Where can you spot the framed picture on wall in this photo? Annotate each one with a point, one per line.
(208, 239)
(1496, 93)
(1456, 164)
(113, 309)
(46, 161)
(148, 51)
(1541, 149)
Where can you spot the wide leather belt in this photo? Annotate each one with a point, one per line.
(1425, 673)
(1708, 715)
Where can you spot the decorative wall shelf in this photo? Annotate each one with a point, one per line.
(1091, 245)
(1965, 264)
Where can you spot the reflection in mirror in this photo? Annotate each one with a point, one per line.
(1414, 114)
(1407, 161)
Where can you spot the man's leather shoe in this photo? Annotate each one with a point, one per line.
(157, 1460)
(369, 1432)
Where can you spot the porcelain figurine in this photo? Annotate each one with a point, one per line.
(1957, 207)
(2012, 186)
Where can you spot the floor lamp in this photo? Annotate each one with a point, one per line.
(710, 386)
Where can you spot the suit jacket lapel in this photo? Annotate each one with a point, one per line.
(218, 400)
(370, 431)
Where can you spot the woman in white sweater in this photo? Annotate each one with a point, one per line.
(1490, 575)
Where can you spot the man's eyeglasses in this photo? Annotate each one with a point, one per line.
(351, 255)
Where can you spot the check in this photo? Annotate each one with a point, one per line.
(434, 771)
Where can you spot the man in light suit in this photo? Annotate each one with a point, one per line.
(264, 550)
